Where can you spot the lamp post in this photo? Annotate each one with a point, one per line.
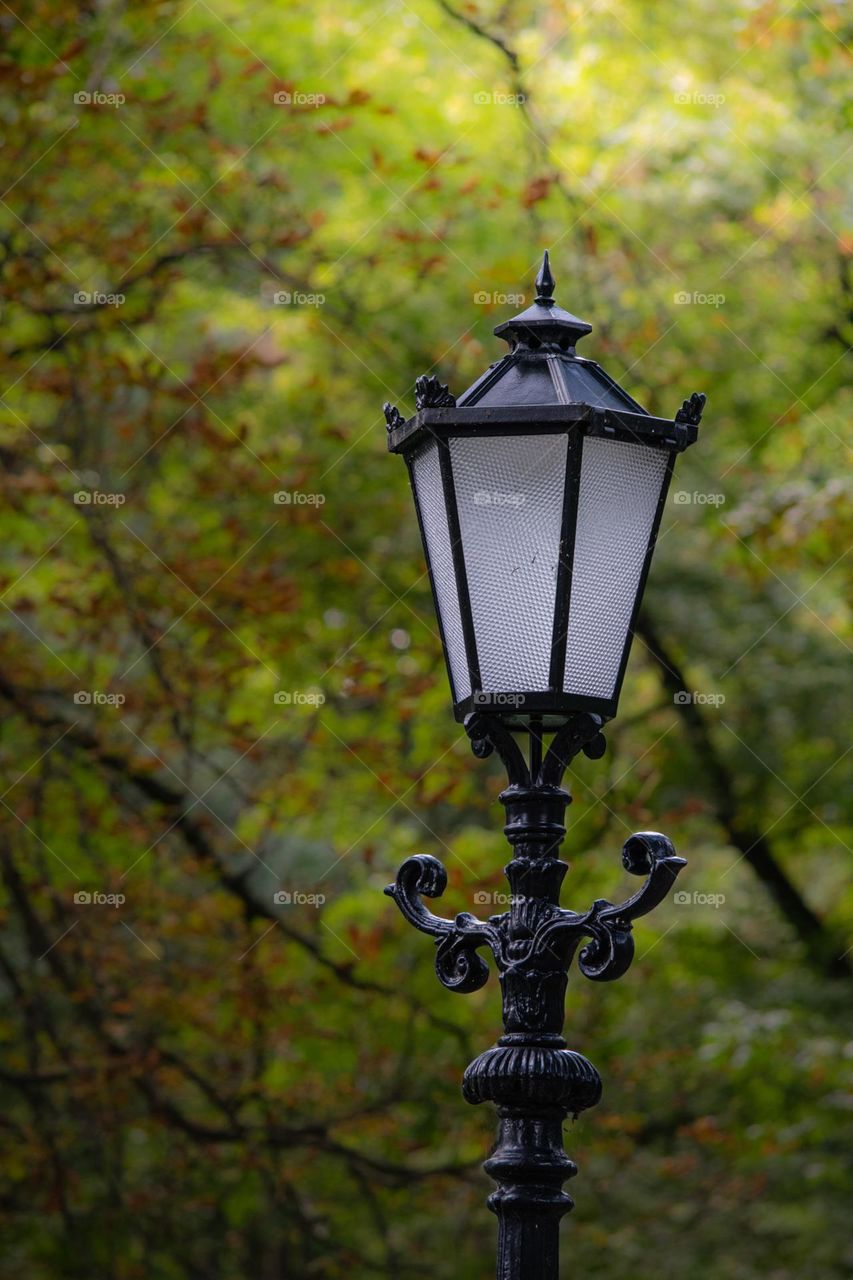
(539, 493)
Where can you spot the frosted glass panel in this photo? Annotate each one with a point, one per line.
(619, 489)
(509, 494)
(427, 476)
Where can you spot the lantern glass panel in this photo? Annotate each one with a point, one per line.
(620, 487)
(509, 497)
(429, 493)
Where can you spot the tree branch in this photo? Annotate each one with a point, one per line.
(179, 803)
(498, 41)
(822, 948)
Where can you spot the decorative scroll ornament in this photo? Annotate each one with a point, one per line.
(606, 956)
(432, 394)
(691, 410)
(582, 733)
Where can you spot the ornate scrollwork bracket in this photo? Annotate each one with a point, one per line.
(582, 732)
(607, 954)
(457, 964)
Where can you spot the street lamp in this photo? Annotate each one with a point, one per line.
(539, 493)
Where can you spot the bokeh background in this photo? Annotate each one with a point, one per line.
(229, 232)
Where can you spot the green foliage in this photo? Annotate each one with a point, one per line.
(201, 1080)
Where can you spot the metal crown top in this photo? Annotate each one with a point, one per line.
(544, 323)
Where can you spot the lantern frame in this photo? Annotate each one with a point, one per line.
(542, 336)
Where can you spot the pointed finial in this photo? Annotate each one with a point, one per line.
(544, 324)
(545, 283)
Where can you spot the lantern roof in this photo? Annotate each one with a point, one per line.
(542, 366)
(541, 384)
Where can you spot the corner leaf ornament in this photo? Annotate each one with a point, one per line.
(393, 416)
(691, 410)
(432, 394)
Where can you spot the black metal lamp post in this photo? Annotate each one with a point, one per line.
(539, 494)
